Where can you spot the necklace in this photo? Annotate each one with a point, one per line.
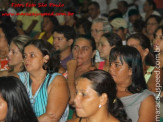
(33, 98)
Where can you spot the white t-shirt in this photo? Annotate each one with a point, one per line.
(103, 6)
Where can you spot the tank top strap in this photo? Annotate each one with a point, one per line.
(50, 78)
(149, 73)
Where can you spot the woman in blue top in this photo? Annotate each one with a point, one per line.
(47, 89)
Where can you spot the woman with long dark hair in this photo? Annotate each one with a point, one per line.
(15, 104)
(127, 71)
(142, 44)
(96, 99)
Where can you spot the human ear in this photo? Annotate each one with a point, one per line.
(103, 99)
(146, 51)
(125, 30)
(130, 71)
(94, 53)
(46, 58)
(70, 42)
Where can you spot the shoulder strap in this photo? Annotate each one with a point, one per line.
(48, 81)
(150, 69)
(149, 73)
(50, 78)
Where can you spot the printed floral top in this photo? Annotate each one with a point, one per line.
(4, 64)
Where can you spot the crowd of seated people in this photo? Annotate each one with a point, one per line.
(91, 66)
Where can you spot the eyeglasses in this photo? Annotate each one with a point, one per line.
(96, 31)
(152, 24)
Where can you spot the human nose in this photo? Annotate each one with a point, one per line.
(111, 68)
(80, 51)
(26, 58)
(77, 99)
(93, 32)
(9, 54)
(99, 47)
(55, 40)
(155, 40)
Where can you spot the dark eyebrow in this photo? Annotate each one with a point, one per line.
(76, 45)
(29, 53)
(85, 46)
(117, 61)
(81, 47)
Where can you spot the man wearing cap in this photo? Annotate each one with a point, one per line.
(120, 27)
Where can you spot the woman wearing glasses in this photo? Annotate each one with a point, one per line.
(152, 22)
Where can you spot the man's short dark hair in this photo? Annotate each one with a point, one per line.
(133, 12)
(95, 4)
(67, 31)
(124, 3)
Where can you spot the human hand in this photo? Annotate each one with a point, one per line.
(72, 64)
(47, 118)
(72, 97)
(20, 30)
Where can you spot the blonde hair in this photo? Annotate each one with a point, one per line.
(20, 41)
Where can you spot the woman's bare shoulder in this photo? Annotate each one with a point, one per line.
(13, 74)
(4, 73)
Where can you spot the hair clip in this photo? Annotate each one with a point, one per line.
(114, 100)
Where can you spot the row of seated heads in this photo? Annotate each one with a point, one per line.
(112, 38)
(12, 89)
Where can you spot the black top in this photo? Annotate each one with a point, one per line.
(80, 119)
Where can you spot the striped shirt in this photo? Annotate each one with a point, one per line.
(39, 100)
